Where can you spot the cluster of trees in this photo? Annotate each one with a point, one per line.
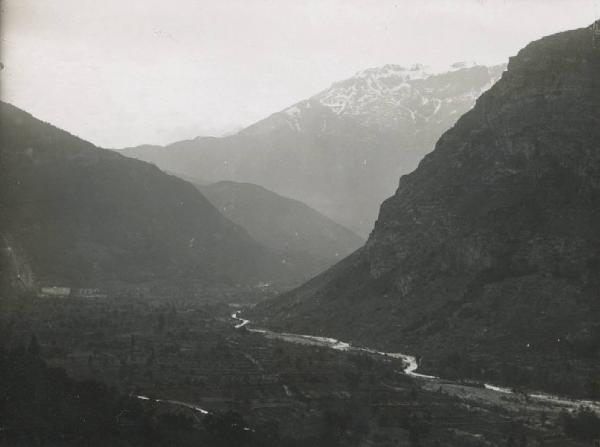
(583, 425)
(42, 405)
(565, 379)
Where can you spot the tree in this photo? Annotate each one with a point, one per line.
(227, 429)
(583, 425)
(418, 427)
(34, 347)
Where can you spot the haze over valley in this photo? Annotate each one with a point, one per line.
(406, 256)
(342, 150)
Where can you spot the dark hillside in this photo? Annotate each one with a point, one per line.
(84, 216)
(487, 259)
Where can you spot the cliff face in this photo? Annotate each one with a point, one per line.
(492, 245)
(512, 188)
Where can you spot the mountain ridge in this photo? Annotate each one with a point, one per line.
(486, 258)
(282, 224)
(341, 164)
(86, 216)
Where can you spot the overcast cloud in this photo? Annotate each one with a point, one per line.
(122, 73)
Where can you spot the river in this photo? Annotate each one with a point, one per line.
(410, 364)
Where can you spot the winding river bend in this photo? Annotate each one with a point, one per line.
(410, 364)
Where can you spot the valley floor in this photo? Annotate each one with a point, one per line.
(483, 391)
(196, 360)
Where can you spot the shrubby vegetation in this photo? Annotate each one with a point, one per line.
(583, 425)
(90, 356)
(570, 377)
(41, 405)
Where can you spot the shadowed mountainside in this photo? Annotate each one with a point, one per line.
(489, 250)
(80, 215)
(284, 225)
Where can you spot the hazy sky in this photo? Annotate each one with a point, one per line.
(127, 72)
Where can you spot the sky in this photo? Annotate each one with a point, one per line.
(126, 72)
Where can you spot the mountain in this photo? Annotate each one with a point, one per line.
(487, 258)
(74, 214)
(284, 225)
(341, 151)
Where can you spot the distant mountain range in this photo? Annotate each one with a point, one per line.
(284, 225)
(486, 261)
(341, 151)
(76, 215)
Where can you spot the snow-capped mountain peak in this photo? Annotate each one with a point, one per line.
(397, 89)
(391, 71)
(390, 97)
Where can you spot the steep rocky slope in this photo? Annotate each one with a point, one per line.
(83, 216)
(341, 151)
(487, 258)
(285, 225)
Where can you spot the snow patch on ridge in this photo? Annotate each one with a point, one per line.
(381, 94)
